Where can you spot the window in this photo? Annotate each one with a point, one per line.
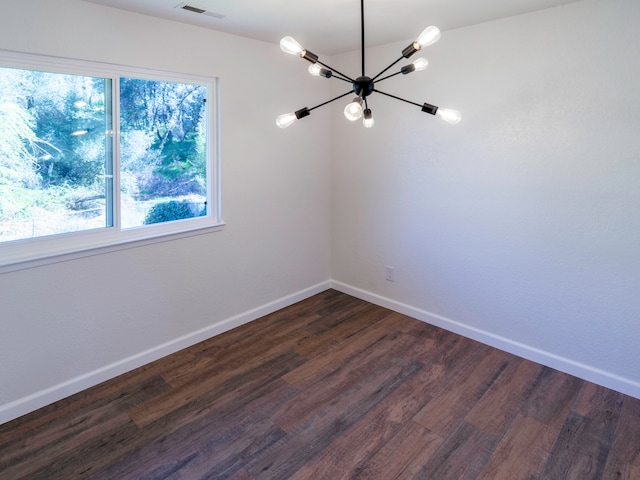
(95, 156)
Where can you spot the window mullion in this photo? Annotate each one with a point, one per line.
(115, 141)
(109, 153)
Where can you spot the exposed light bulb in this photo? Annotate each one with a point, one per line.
(429, 36)
(290, 46)
(420, 64)
(415, 66)
(286, 119)
(368, 120)
(450, 116)
(353, 111)
(315, 69)
(318, 70)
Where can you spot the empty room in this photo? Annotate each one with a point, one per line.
(431, 270)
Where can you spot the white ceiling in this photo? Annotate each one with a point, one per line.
(333, 26)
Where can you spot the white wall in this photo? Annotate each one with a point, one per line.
(520, 226)
(67, 325)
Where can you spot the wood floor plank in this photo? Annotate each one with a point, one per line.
(254, 345)
(218, 442)
(616, 469)
(445, 412)
(332, 330)
(242, 475)
(40, 446)
(587, 435)
(327, 388)
(202, 391)
(248, 441)
(627, 442)
(343, 354)
(311, 438)
(122, 392)
(462, 456)
(336, 302)
(289, 324)
(403, 456)
(522, 451)
(624, 456)
(384, 421)
(497, 408)
(348, 454)
(551, 397)
(624, 472)
(438, 346)
(202, 414)
(61, 443)
(600, 404)
(580, 452)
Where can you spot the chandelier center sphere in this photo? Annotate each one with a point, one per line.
(363, 86)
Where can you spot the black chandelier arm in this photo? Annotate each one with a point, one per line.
(398, 98)
(326, 73)
(388, 76)
(332, 100)
(387, 68)
(335, 71)
(426, 107)
(343, 79)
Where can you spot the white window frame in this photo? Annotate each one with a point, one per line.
(28, 253)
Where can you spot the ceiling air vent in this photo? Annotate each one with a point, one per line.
(191, 8)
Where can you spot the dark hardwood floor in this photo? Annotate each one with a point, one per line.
(332, 388)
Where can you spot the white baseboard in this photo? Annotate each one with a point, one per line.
(566, 365)
(45, 397)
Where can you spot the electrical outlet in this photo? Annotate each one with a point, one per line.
(389, 274)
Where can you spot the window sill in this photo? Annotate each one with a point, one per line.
(89, 251)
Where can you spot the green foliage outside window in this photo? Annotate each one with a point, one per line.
(55, 152)
(173, 210)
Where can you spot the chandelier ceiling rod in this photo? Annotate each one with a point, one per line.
(364, 86)
(362, 32)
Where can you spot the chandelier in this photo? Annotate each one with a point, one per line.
(363, 86)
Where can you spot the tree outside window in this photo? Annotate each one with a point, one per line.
(56, 152)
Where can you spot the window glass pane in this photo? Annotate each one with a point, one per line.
(163, 151)
(55, 160)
